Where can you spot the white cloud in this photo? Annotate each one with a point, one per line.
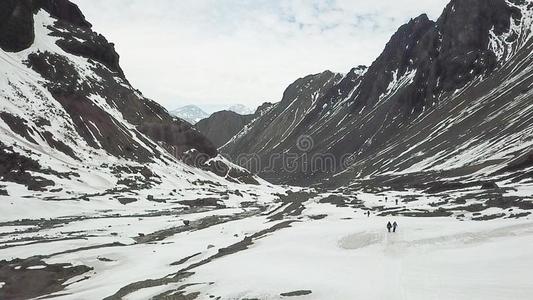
(229, 51)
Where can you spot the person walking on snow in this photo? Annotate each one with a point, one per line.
(368, 213)
(394, 226)
(396, 201)
(389, 226)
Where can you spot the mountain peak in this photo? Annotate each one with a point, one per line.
(63, 10)
(17, 24)
(466, 24)
(190, 113)
(359, 70)
(421, 19)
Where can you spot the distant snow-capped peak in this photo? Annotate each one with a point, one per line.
(190, 113)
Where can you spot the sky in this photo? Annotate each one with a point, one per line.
(217, 53)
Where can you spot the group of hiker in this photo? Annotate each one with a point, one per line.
(392, 226)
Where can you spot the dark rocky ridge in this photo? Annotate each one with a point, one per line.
(279, 126)
(269, 130)
(221, 126)
(361, 119)
(447, 54)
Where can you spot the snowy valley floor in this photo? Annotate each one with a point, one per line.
(299, 247)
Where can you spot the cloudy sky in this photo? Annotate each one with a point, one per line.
(215, 53)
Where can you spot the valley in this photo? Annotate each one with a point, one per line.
(105, 194)
(302, 242)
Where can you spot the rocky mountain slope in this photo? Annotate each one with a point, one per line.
(221, 126)
(73, 127)
(446, 98)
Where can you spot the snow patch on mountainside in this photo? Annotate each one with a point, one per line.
(507, 44)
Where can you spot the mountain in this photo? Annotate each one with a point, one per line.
(241, 109)
(221, 126)
(72, 126)
(190, 113)
(445, 99)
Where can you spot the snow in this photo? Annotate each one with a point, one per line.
(506, 45)
(357, 259)
(14, 229)
(36, 267)
(144, 261)
(344, 255)
(397, 83)
(190, 113)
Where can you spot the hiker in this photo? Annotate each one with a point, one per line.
(389, 226)
(368, 213)
(386, 199)
(394, 226)
(396, 201)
